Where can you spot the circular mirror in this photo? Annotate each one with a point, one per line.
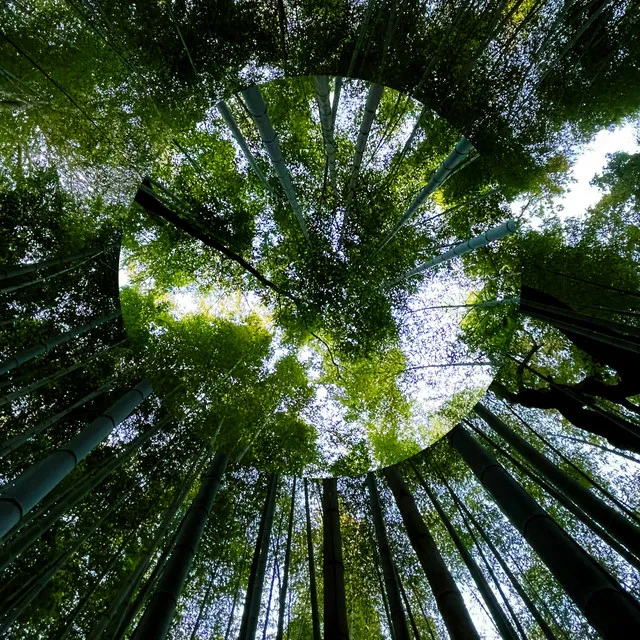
(302, 277)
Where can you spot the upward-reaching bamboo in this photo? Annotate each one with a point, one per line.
(27, 389)
(448, 597)
(275, 572)
(287, 561)
(17, 441)
(67, 624)
(614, 522)
(392, 588)
(620, 454)
(326, 122)
(21, 540)
(374, 95)
(313, 591)
(459, 154)
(16, 592)
(336, 626)
(362, 34)
(110, 626)
(397, 160)
(27, 490)
(503, 624)
(258, 110)
(589, 478)
(337, 90)
(159, 612)
(562, 499)
(470, 519)
(31, 590)
(383, 593)
(119, 625)
(229, 120)
(253, 598)
(609, 609)
(616, 334)
(236, 594)
(47, 345)
(206, 600)
(407, 606)
(23, 269)
(182, 40)
(496, 233)
(32, 281)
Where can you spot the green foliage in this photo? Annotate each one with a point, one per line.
(95, 95)
(47, 221)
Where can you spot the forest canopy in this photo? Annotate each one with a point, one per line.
(252, 251)
(306, 222)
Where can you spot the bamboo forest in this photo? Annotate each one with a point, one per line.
(318, 319)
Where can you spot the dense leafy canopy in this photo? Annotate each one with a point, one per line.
(364, 341)
(327, 371)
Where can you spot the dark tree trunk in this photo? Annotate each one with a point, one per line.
(400, 630)
(618, 393)
(159, 612)
(287, 562)
(577, 393)
(568, 504)
(598, 423)
(608, 608)
(251, 611)
(446, 592)
(504, 626)
(336, 626)
(23, 540)
(275, 573)
(614, 522)
(468, 517)
(313, 591)
(26, 491)
(148, 201)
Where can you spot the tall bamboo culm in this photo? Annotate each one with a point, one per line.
(27, 490)
(251, 612)
(392, 588)
(336, 626)
(609, 609)
(448, 597)
(158, 614)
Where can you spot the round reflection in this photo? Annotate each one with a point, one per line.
(307, 280)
